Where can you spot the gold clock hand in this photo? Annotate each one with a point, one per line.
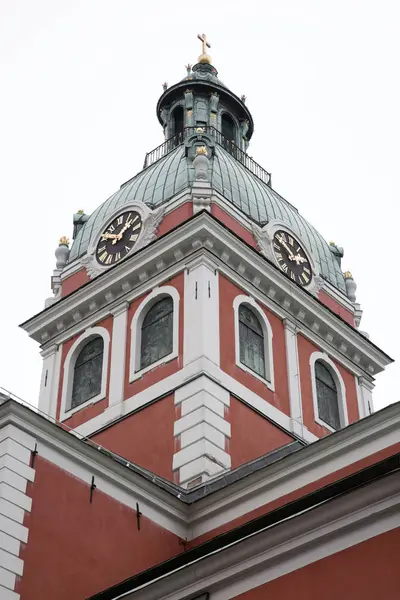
(284, 244)
(121, 233)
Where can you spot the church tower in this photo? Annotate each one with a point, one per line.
(198, 320)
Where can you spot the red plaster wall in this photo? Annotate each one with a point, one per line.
(336, 307)
(368, 570)
(162, 371)
(233, 224)
(75, 281)
(145, 437)
(251, 434)
(175, 218)
(83, 415)
(280, 398)
(306, 348)
(75, 548)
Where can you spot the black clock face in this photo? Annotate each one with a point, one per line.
(291, 258)
(119, 238)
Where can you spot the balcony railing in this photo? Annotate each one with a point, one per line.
(230, 146)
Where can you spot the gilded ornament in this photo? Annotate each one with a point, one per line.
(64, 241)
(332, 243)
(204, 57)
(80, 212)
(199, 130)
(347, 275)
(201, 150)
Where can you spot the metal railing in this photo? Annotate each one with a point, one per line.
(230, 146)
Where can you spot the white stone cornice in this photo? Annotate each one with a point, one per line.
(275, 291)
(83, 460)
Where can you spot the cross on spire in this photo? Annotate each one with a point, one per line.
(205, 44)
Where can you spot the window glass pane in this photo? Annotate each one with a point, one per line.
(157, 333)
(327, 396)
(251, 341)
(87, 372)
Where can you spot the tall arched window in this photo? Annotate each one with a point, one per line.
(178, 125)
(251, 341)
(157, 332)
(327, 395)
(228, 131)
(87, 372)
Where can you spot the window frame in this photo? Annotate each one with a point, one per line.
(340, 387)
(69, 369)
(269, 379)
(135, 371)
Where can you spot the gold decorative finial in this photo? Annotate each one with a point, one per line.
(204, 57)
(201, 150)
(64, 241)
(332, 243)
(80, 212)
(347, 275)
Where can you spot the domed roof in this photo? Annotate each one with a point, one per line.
(174, 172)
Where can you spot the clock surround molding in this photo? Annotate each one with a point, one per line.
(151, 220)
(264, 237)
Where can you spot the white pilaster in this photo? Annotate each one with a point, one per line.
(15, 455)
(293, 371)
(118, 354)
(202, 431)
(50, 380)
(201, 312)
(364, 396)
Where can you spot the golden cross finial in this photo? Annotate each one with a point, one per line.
(205, 44)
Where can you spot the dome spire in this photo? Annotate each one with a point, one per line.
(204, 57)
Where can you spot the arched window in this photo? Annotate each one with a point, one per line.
(327, 395)
(88, 372)
(228, 131)
(251, 341)
(157, 332)
(178, 125)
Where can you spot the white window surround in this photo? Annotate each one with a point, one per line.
(341, 390)
(69, 366)
(267, 331)
(135, 372)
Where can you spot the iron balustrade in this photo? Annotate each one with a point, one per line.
(229, 145)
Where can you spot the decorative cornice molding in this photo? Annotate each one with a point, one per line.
(204, 233)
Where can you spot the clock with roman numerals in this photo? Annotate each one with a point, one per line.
(291, 258)
(118, 238)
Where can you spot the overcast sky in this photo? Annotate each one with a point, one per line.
(80, 80)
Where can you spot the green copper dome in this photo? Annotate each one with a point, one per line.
(173, 173)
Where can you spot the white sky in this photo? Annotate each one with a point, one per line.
(79, 84)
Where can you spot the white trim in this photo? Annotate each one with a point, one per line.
(15, 454)
(135, 372)
(69, 364)
(293, 372)
(48, 373)
(269, 379)
(56, 323)
(341, 390)
(311, 464)
(282, 548)
(172, 382)
(118, 355)
(364, 396)
(201, 311)
(202, 431)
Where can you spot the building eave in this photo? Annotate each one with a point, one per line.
(204, 233)
(287, 531)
